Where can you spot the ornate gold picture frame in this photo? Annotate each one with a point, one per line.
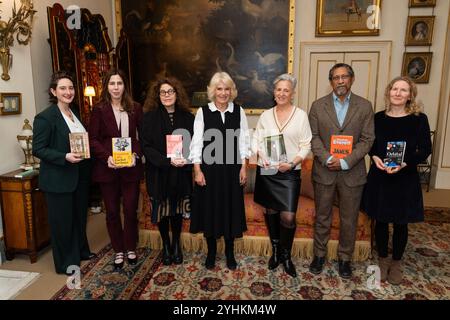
(193, 39)
(422, 3)
(335, 18)
(11, 103)
(419, 31)
(417, 66)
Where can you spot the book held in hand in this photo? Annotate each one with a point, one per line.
(275, 149)
(79, 144)
(395, 152)
(174, 143)
(341, 146)
(121, 152)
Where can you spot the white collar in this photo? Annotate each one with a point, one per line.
(213, 107)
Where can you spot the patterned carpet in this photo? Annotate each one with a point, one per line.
(427, 276)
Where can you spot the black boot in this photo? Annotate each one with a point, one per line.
(229, 254)
(210, 262)
(164, 231)
(273, 225)
(286, 241)
(176, 222)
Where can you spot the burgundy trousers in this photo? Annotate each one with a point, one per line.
(122, 238)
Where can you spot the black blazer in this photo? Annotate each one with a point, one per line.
(50, 145)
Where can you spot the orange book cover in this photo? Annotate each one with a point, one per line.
(341, 146)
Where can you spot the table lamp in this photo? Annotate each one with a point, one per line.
(89, 91)
(25, 139)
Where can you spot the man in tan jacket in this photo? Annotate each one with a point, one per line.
(340, 113)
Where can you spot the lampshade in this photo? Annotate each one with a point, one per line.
(89, 91)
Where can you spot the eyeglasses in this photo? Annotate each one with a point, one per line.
(166, 93)
(343, 77)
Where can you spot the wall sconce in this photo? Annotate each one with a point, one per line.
(20, 25)
(89, 91)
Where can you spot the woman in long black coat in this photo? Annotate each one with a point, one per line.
(393, 194)
(169, 180)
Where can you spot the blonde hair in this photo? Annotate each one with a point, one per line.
(214, 82)
(411, 105)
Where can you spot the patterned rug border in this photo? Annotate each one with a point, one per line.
(87, 268)
(437, 214)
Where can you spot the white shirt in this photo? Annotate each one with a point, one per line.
(296, 133)
(196, 146)
(76, 125)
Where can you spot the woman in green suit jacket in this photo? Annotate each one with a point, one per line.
(64, 176)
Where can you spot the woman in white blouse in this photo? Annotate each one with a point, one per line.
(277, 186)
(219, 150)
(64, 176)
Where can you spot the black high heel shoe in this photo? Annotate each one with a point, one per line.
(131, 257)
(118, 260)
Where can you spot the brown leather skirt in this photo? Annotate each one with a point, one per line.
(278, 191)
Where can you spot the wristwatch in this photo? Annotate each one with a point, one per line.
(292, 165)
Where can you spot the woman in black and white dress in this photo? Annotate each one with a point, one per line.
(220, 169)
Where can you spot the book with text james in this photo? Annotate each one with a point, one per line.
(79, 144)
(121, 152)
(395, 152)
(341, 146)
(174, 144)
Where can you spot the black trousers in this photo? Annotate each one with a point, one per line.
(67, 216)
(399, 239)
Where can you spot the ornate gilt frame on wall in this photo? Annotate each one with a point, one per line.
(11, 103)
(417, 65)
(289, 57)
(332, 20)
(422, 36)
(422, 3)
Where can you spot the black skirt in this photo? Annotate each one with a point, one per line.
(218, 208)
(278, 191)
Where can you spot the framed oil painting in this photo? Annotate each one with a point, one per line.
(337, 18)
(419, 31)
(252, 40)
(11, 103)
(417, 66)
(422, 3)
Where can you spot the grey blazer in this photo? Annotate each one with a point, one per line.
(358, 123)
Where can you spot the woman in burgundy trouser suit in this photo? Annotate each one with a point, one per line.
(117, 115)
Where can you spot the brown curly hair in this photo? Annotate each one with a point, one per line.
(411, 105)
(153, 101)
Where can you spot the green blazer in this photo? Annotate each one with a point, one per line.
(50, 145)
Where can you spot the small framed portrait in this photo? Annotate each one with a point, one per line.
(419, 31)
(422, 3)
(10, 103)
(417, 66)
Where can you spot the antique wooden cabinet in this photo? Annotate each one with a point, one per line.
(24, 214)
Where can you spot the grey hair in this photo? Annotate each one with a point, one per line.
(286, 77)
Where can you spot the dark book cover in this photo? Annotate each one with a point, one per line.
(395, 152)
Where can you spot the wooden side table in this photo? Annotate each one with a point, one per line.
(24, 215)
